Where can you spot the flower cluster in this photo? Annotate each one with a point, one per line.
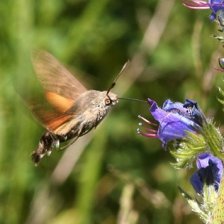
(185, 124)
(189, 136)
(210, 171)
(175, 120)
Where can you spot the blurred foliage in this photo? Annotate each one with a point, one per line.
(120, 176)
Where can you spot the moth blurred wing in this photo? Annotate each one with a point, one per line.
(59, 122)
(61, 91)
(55, 78)
(59, 102)
(49, 118)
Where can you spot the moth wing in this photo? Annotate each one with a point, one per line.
(56, 80)
(60, 103)
(61, 90)
(57, 123)
(48, 117)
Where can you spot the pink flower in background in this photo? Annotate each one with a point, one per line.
(214, 5)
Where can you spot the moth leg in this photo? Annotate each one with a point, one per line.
(69, 143)
(72, 136)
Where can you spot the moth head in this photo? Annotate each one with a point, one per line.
(110, 99)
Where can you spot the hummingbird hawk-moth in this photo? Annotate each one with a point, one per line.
(72, 110)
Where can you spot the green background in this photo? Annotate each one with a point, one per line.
(112, 175)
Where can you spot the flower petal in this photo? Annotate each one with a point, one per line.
(196, 4)
(175, 119)
(210, 171)
(197, 182)
(175, 127)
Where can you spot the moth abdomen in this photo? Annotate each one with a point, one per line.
(46, 143)
(49, 141)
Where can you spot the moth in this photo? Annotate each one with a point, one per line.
(72, 110)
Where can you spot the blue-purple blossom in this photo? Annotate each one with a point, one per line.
(174, 118)
(210, 171)
(214, 5)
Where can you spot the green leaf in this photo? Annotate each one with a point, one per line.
(188, 149)
(210, 139)
(213, 139)
(195, 205)
(219, 38)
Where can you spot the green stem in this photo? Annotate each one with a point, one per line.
(218, 212)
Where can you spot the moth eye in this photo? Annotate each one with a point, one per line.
(108, 101)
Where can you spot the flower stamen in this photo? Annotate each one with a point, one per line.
(150, 135)
(147, 121)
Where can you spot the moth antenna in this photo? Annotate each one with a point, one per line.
(132, 99)
(117, 77)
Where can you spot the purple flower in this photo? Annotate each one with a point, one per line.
(174, 118)
(214, 5)
(210, 171)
